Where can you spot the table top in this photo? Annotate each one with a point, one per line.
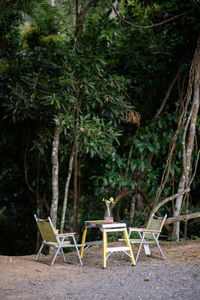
(103, 224)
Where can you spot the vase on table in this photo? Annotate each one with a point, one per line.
(108, 216)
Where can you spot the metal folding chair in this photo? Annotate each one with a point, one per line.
(57, 241)
(148, 235)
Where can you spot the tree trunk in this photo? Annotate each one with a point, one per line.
(139, 202)
(75, 189)
(55, 169)
(191, 122)
(70, 168)
(177, 208)
(39, 203)
(167, 94)
(132, 209)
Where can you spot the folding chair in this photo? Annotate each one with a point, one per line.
(149, 235)
(52, 239)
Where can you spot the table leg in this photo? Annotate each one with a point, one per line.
(129, 245)
(105, 243)
(83, 242)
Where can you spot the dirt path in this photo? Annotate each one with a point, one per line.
(178, 277)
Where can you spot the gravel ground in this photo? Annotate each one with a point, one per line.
(178, 277)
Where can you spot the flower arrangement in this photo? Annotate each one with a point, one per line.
(108, 218)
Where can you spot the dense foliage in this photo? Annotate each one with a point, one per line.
(102, 82)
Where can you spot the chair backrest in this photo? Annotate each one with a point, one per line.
(46, 229)
(155, 223)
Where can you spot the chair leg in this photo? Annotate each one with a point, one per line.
(157, 243)
(140, 247)
(38, 254)
(74, 240)
(57, 251)
(63, 254)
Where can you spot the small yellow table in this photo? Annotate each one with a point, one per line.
(105, 228)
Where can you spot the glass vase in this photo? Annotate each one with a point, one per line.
(108, 216)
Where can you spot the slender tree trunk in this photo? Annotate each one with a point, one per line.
(76, 168)
(132, 209)
(71, 160)
(177, 208)
(139, 202)
(167, 94)
(39, 203)
(184, 181)
(75, 189)
(118, 211)
(55, 170)
(26, 166)
(186, 222)
(38, 200)
(70, 168)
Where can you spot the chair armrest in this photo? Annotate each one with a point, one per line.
(144, 230)
(65, 234)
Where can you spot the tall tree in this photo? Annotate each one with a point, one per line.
(190, 119)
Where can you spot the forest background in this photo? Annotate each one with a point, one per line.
(98, 99)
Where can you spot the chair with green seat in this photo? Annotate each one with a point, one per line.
(148, 235)
(55, 240)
